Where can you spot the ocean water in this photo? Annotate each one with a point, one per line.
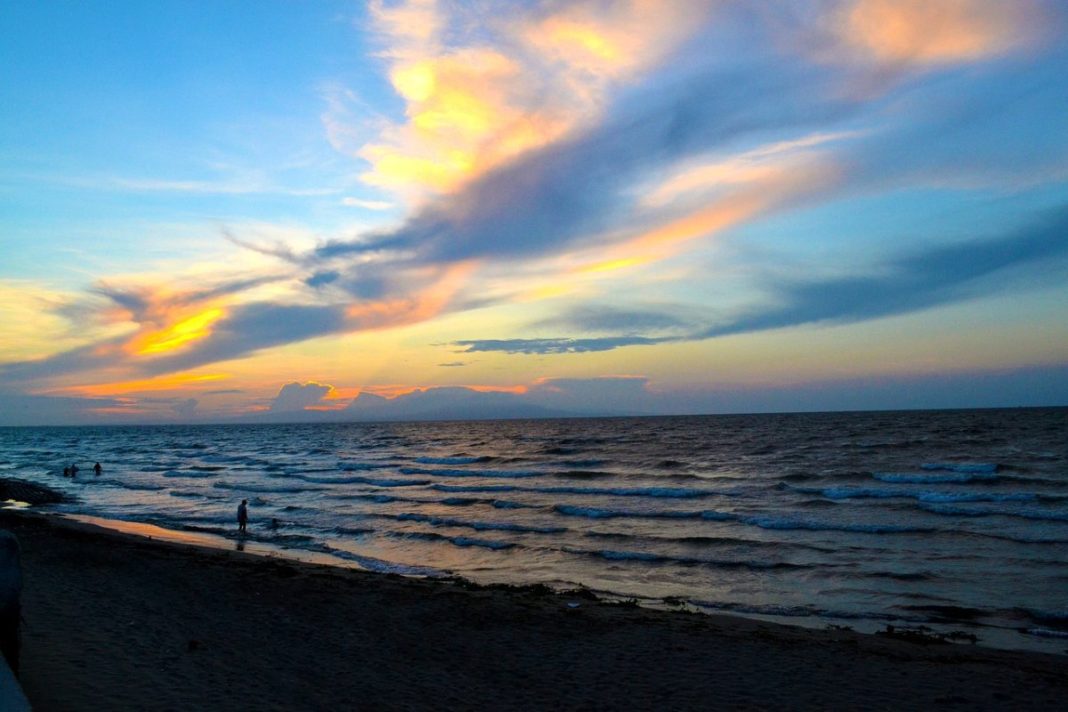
(957, 520)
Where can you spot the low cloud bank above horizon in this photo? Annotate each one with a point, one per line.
(1042, 386)
(299, 396)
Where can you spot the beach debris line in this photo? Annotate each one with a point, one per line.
(926, 636)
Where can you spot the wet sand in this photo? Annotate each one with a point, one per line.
(113, 621)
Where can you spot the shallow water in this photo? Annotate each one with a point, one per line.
(953, 519)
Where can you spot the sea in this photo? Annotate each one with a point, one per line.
(956, 521)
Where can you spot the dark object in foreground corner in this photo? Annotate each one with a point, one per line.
(10, 591)
(28, 492)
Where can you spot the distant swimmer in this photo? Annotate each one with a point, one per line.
(242, 516)
(97, 469)
(66, 472)
(73, 470)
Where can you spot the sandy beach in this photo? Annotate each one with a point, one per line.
(119, 622)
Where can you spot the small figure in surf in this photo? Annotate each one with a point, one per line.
(97, 469)
(274, 524)
(242, 516)
(73, 470)
(66, 472)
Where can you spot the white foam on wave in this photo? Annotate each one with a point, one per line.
(670, 492)
(474, 488)
(1046, 633)
(359, 480)
(599, 513)
(656, 492)
(847, 492)
(963, 467)
(191, 474)
(484, 543)
(925, 479)
(448, 460)
(989, 511)
(356, 466)
(266, 489)
(474, 524)
(650, 557)
(388, 567)
(468, 473)
(777, 522)
(461, 541)
(976, 497)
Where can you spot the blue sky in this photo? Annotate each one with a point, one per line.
(657, 207)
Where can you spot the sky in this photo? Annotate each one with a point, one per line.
(215, 212)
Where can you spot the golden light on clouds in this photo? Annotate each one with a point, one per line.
(709, 197)
(611, 265)
(766, 163)
(580, 40)
(414, 82)
(465, 114)
(526, 83)
(176, 382)
(598, 41)
(29, 325)
(424, 304)
(942, 31)
(187, 330)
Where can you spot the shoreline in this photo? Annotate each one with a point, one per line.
(936, 631)
(946, 630)
(120, 621)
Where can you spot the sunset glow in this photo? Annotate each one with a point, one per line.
(177, 335)
(292, 209)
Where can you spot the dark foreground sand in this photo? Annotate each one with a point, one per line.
(117, 622)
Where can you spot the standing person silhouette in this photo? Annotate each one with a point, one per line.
(97, 469)
(242, 516)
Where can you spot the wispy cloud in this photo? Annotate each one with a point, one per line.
(366, 204)
(592, 318)
(555, 346)
(929, 33)
(939, 275)
(913, 282)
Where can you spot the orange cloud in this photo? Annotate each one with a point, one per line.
(118, 410)
(757, 190)
(421, 306)
(612, 40)
(524, 84)
(341, 393)
(465, 114)
(181, 333)
(938, 31)
(765, 164)
(518, 390)
(163, 383)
